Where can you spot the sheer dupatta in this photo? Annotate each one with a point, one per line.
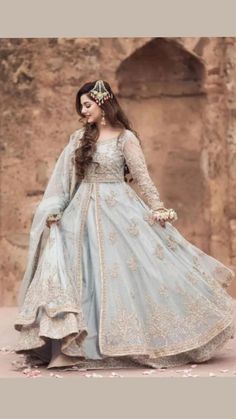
(57, 195)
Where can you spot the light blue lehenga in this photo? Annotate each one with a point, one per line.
(108, 286)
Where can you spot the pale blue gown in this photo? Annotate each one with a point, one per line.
(113, 288)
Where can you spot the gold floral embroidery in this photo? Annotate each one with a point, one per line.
(111, 198)
(124, 328)
(149, 218)
(192, 278)
(133, 228)
(159, 251)
(178, 289)
(113, 271)
(132, 263)
(211, 281)
(196, 262)
(113, 237)
(171, 243)
(223, 276)
(163, 290)
(130, 192)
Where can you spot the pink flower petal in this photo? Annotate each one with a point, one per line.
(26, 371)
(147, 372)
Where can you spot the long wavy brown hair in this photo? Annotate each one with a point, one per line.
(113, 114)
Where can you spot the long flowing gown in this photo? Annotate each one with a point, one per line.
(110, 287)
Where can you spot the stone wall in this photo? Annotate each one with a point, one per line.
(179, 94)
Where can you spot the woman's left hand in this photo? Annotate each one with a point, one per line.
(162, 222)
(164, 215)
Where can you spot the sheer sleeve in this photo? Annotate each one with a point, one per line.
(136, 163)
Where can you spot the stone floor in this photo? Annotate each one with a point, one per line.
(12, 364)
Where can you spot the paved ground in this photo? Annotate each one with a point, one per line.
(12, 365)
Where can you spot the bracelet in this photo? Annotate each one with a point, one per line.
(54, 217)
(165, 214)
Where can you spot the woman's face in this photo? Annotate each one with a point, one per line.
(90, 109)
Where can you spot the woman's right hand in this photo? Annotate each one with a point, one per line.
(50, 222)
(53, 218)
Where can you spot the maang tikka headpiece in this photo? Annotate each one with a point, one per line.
(100, 93)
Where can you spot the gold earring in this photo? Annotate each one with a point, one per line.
(103, 121)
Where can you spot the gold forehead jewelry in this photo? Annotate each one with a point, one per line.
(100, 93)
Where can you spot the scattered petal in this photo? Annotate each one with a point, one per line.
(224, 370)
(26, 370)
(55, 375)
(211, 374)
(115, 374)
(32, 373)
(96, 375)
(147, 372)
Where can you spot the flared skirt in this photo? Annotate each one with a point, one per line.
(114, 289)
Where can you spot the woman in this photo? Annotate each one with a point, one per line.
(109, 281)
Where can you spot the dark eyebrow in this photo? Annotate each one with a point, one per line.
(86, 102)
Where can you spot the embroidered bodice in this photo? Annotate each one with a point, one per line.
(112, 154)
(111, 163)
